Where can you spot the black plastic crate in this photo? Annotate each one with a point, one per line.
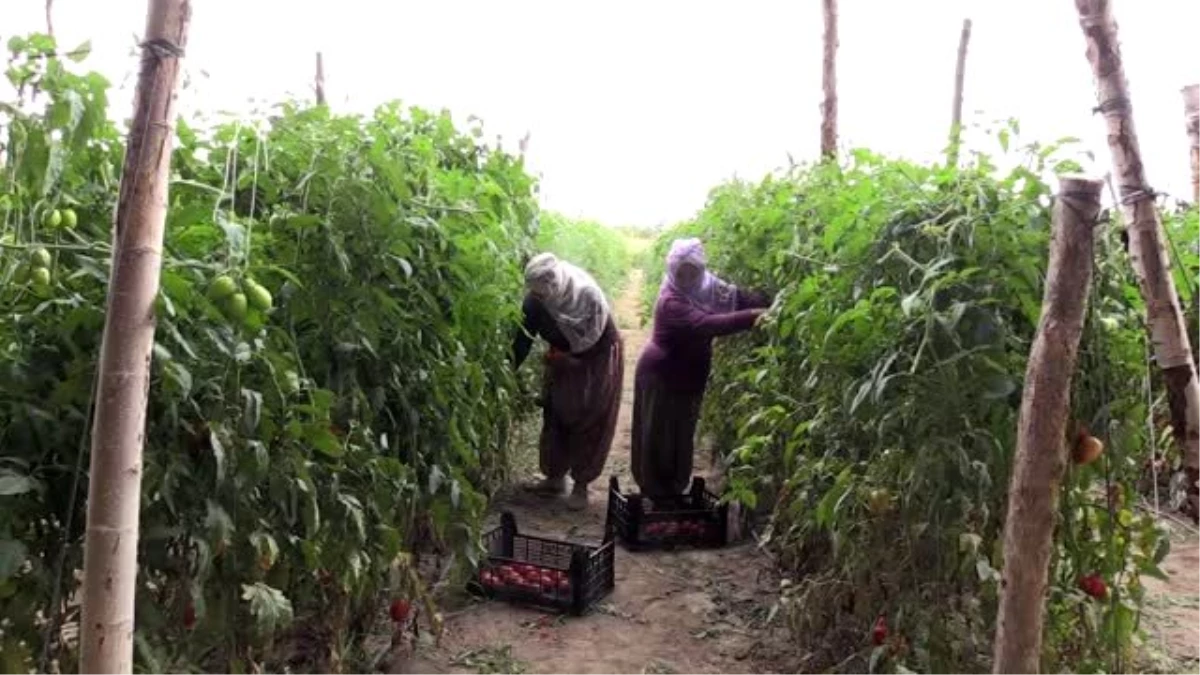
(697, 518)
(548, 573)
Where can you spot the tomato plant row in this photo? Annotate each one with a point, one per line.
(874, 415)
(599, 249)
(331, 379)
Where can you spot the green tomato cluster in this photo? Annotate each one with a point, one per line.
(235, 301)
(64, 218)
(36, 270)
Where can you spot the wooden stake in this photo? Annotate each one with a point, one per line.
(1042, 428)
(1151, 262)
(320, 83)
(49, 18)
(957, 106)
(829, 132)
(114, 485)
(1191, 112)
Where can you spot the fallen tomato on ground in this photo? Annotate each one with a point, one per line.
(399, 610)
(189, 617)
(880, 632)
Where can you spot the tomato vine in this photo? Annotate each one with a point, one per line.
(873, 416)
(332, 388)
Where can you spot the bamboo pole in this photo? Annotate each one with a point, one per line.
(1041, 430)
(320, 80)
(1151, 262)
(1191, 113)
(114, 486)
(960, 71)
(829, 109)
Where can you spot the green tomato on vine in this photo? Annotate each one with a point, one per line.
(40, 258)
(236, 307)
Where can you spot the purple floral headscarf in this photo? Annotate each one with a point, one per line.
(710, 293)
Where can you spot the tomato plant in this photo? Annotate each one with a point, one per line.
(873, 416)
(599, 249)
(331, 385)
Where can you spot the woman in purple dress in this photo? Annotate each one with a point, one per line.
(694, 306)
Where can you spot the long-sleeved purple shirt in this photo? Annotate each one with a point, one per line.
(680, 349)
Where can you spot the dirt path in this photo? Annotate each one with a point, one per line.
(1172, 610)
(683, 612)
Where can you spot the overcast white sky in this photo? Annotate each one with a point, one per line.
(638, 107)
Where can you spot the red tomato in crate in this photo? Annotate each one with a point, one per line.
(564, 584)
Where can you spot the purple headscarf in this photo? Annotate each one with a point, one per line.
(709, 293)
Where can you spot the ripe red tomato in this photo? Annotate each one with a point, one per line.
(564, 584)
(189, 616)
(487, 578)
(880, 632)
(399, 610)
(1094, 586)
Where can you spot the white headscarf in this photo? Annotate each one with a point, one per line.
(571, 296)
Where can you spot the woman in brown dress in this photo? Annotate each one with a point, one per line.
(583, 376)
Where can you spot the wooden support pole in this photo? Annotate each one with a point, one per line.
(118, 436)
(1041, 430)
(320, 80)
(829, 107)
(1147, 252)
(960, 71)
(1191, 113)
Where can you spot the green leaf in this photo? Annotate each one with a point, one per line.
(1161, 551)
(12, 483)
(270, 608)
(218, 450)
(12, 556)
(251, 410)
(81, 53)
(323, 440)
(218, 523)
(878, 654)
(997, 386)
(266, 547)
